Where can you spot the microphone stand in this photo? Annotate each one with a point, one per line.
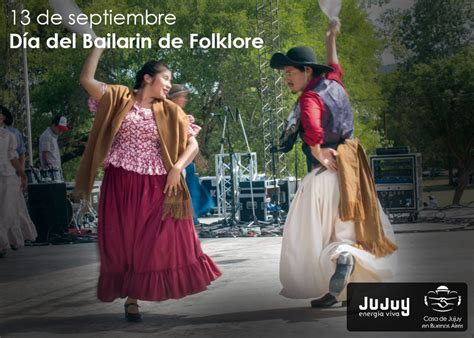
(251, 174)
(231, 221)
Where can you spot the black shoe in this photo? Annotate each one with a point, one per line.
(344, 268)
(325, 301)
(132, 317)
(14, 248)
(3, 253)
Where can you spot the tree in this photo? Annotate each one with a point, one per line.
(434, 109)
(429, 30)
(217, 77)
(429, 105)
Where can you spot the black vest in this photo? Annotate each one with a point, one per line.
(338, 118)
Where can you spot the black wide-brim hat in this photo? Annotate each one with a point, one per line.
(298, 56)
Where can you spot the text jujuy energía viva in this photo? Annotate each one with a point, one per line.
(84, 23)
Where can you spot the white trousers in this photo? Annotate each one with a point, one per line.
(314, 236)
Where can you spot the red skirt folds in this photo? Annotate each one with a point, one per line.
(142, 256)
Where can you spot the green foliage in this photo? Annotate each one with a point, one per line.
(429, 30)
(434, 104)
(436, 73)
(430, 95)
(217, 77)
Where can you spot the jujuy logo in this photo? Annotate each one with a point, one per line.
(442, 299)
(375, 304)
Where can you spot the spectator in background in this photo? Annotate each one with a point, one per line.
(20, 142)
(200, 198)
(50, 156)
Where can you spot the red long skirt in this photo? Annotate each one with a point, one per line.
(142, 256)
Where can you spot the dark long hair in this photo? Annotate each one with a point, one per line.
(315, 74)
(151, 68)
(8, 116)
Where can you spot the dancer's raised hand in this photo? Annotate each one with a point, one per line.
(334, 27)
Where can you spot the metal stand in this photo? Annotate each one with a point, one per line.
(243, 167)
(221, 179)
(255, 221)
(83, 215)
(271, 85)
(275, 197)
(271, 95)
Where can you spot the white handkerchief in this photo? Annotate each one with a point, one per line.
(330, 7)
(66, 8)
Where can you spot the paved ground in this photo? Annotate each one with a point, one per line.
(49, 291)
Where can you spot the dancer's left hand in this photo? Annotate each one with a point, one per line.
(173, 182)
(326, 156)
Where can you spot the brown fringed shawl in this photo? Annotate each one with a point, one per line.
(172, 125)
(359, 201)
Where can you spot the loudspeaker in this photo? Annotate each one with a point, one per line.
(48, 208)
(263, 192)
(246, 207)
(288, 190)
(392, 151)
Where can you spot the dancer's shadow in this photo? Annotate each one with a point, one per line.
(156, 323)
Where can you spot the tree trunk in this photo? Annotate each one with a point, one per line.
(450, 169)
(463, 181)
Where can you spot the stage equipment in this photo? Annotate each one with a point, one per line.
(288, 188)
(94, 200)
(392, 151)
(398, 182)
(270, 89)
(48, 208)
(254, 201)
(228, 184)
(242, 166)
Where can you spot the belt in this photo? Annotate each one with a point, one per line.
(320, 170)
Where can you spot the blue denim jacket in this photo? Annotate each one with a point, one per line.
(20, 143)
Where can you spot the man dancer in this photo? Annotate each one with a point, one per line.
(324, 245)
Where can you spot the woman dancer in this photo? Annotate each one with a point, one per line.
(15, 223)
(148, 246)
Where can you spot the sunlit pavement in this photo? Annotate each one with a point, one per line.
(49, 291)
